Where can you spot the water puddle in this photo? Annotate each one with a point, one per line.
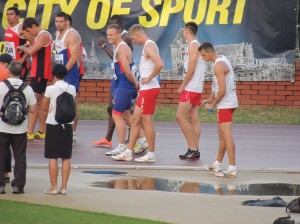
(169, 185)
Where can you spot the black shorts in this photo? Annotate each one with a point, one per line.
(38, 84)
(58, 141)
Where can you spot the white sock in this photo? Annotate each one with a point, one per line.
(217, 163)
(151, 154)
(74, 133)
(122, 146)
(143, 139)
(230, 167)
(128, 152)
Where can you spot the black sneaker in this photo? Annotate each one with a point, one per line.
(2, 190)
(191, 155)
(16, 190)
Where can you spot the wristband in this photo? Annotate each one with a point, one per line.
(103, 45)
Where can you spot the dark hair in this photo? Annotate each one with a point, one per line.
(15, 9)
(29, 22)
(59, 71)
(191, 26)
(118, 20)
(206, 46)
(15, 68)
(115, 26)
(69, 17)
(62, 14)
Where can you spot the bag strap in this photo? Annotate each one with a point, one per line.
(8, 84)
(11, 87)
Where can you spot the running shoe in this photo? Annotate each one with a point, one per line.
(122, 157)
(190, 155)
(39, 135)
(140, 147)
(102, 143)
(211, 167)
(30, 136)
(226, 173)
(74, 139)
(145, 159)
(115, 151)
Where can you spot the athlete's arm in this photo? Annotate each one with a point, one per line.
(193, 57)
(43, 40)
(221, 70)
(152, 53)
(73, 43)
(107, 50)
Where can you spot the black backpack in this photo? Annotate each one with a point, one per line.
(14, 110)
(65, 108)
(293, 206)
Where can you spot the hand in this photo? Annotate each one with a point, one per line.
(145, 80)
(205, 101)
(101, 42)
(180, 90)
(208, 106)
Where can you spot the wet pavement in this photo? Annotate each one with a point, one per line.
(172, 190)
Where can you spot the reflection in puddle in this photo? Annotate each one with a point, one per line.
(159, 184)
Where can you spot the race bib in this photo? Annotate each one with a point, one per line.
(59, 58)
(10, 49)
(112, 66)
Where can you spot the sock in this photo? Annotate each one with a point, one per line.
(151, 154)
(230, 167)
(122, 146)
(194, 149)
(217, 164)
(143, 139)
(128, 152)
(74, 133)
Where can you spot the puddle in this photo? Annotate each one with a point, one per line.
(168, 185)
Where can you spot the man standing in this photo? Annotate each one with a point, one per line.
(14, 136)
(223, 96)
(13, 39)
(127, 87)
(190, 90)
(150, 66)
(41, 71)
(107, 141)
(5, 60)
(77, 37)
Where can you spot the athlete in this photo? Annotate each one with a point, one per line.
(141, 145)
(223, 96)
(190, 93)
(14, 38)
(150, 66)
(40, 73)
(126, 90)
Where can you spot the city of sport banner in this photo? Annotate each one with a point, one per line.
(258, 36)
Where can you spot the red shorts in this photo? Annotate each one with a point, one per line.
(192, 97)
(225, 115)
(146, 100)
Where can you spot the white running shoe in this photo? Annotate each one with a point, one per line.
(145, 159)
(115, 151)
(226, 173)
(211, 167)
(122, 157)
(140, 147)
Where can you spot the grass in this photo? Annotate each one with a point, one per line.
(14, 212)
(276, 115)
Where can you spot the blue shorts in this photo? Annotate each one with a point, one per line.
(73, 80)
(123, 99)
(113, 86)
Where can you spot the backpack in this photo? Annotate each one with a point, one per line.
(14, 110)
(284, 220)
(65, 108)
(293, 206)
